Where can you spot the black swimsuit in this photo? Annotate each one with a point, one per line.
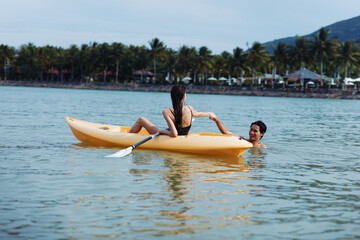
(182, 130)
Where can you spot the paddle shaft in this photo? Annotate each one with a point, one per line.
(145, 140)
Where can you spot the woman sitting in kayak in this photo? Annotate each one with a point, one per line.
(256, 132)
(178, 118)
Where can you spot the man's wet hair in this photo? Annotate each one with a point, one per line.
(261, 125)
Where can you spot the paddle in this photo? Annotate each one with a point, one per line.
(128, 150)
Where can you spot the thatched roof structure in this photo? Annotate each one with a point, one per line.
(304, 74)
(143, 73)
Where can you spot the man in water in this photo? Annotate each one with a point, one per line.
(256, 132)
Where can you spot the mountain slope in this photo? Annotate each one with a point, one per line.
(344, 30)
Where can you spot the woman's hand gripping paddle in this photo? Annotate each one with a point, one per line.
(128, 150)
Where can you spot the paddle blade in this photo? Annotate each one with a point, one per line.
(121, 153)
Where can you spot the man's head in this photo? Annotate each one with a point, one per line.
(257, 130)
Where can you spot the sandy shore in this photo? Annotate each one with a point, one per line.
(223, 90)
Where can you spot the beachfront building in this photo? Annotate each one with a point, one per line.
(350, 83)
(233, 81)
(356, 83)
(304, 78)
(252, 81)
(330, 81)
(271, 80)
(144, 76)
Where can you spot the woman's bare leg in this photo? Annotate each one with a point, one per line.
(144, 123)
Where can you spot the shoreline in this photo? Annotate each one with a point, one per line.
(200, 89)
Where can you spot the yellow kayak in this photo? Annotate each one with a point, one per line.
(198, 143)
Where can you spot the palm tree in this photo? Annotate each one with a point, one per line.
(43, 60)
(61, 63)
(93, 59)
(118, 51)
(157, 48)
(7, 56)
(72, 56)
(204, 60)
(349, 55)
(187, 59)
(27, 62)
(323, 47)
(136, 58)
(103, 51)
(170, 64)
(82, 61)
(222, 64)
(52, 59)
(280, 58)
(299, 54)
(238, 62)
(257, 57)
(139, 57)
(128, 64)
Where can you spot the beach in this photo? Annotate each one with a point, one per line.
(334, 93)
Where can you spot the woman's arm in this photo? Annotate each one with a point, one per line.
(201, 114)
(173, 132)
(213, 117)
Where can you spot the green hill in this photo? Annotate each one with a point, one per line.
(344, 30)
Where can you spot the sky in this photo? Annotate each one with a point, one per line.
(220, 25)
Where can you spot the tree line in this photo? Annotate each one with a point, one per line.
(116, 62)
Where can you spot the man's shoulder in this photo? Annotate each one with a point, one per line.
(261, 145)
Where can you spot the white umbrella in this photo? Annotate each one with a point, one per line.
(310, 82)
(211, 79)
(186, 79)
(356, 80)
(223, 79)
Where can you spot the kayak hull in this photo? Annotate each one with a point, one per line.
(118, 136)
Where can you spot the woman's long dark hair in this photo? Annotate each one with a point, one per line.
(177, 94)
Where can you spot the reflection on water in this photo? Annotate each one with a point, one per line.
(259, 153)
(255, 157)
(196, 187)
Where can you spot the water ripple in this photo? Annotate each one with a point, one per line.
(304, 186)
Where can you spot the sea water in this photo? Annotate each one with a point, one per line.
(305, 185)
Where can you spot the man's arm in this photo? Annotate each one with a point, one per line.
(221, 126)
